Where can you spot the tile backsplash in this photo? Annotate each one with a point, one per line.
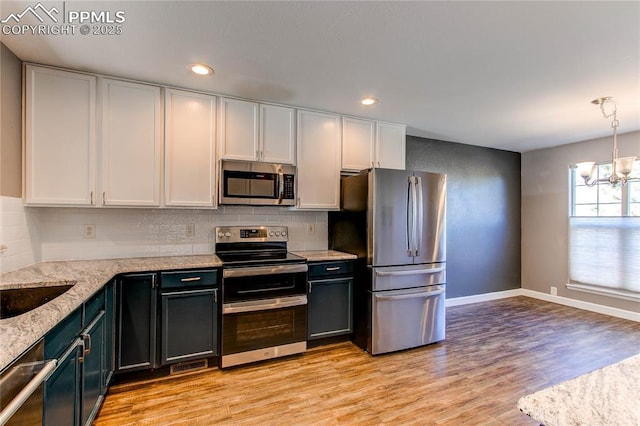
(19, 235)
(59, 233)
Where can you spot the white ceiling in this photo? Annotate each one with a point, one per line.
(510, 75)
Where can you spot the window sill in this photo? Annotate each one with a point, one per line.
(603, 291)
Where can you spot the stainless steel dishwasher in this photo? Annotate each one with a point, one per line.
(21, 395)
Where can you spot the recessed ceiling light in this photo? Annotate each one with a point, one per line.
(201, 69)
(369, 101)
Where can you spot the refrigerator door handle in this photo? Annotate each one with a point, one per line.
(409, 218)
(409, 272)
(414, 213)
(419, 215)
(421, 295)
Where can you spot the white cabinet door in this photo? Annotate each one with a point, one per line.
(318, 160)
(357, 144)
(131, 144)
(60, 137)
(189, 154)
(277, 134)
(238, 130)
(390, 146)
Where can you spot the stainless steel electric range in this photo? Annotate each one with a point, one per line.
(264, 294)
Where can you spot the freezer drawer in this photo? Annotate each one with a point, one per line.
(402, 319)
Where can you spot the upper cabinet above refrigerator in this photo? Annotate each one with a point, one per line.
(367, 144)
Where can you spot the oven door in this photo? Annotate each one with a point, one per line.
(263, 282)
(262, 329)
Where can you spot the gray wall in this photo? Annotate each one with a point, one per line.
(483, 213)
(10, 124)
(545, 213)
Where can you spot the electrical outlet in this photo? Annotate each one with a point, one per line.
(311, 228)
(89, 232)
(191, 230)
(554, 291)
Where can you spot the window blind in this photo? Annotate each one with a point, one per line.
(605, 252)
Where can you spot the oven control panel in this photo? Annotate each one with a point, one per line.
(244, 234)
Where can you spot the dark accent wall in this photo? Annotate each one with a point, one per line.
(483, 213)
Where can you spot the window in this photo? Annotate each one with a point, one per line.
(604, 235)
(604, 199)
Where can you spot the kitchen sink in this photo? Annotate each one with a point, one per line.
(17, 301)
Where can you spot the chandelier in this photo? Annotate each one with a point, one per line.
(621, 167)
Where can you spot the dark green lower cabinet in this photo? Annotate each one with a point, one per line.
(330, 308)
(92, 368)
(81, 343)
(189, 325)
(62, 389)
(136, 322)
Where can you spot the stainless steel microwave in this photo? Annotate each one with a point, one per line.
(257, 184)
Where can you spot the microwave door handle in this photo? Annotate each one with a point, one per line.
(280, 185)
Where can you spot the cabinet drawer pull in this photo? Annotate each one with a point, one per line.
(186, 280)
(333, 268)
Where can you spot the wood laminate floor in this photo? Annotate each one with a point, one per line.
(495, 352)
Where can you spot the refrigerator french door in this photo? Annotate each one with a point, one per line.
(406, 212)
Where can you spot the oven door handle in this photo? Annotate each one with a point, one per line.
(264, 270)
(263, 305)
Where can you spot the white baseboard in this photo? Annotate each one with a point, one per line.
(465, 300)
(587, 306)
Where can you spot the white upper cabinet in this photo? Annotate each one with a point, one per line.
(189, 154)
(238, 129)
(368, 144)
(256, 132)
(358, 139)
(318, 161)
(390, 145)
(131, 143)
(277, 134)
(60, 137)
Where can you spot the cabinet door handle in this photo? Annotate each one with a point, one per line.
(310, 286)
(92, 198)
(87, 350)
(82, 351)
(104, 198)
(215, 296)
(332, 268)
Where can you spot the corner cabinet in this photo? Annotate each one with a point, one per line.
(256, 132)
(136, 322)
(60, 137)
(318, 161)
(131, 143)
(189, 154)
(367, 144)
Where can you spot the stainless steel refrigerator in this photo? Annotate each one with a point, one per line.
(395, 222)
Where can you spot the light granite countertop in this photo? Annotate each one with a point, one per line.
(18, 333)
(324, 255)
(608, 396)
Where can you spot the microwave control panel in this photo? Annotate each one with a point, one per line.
(288, 187)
